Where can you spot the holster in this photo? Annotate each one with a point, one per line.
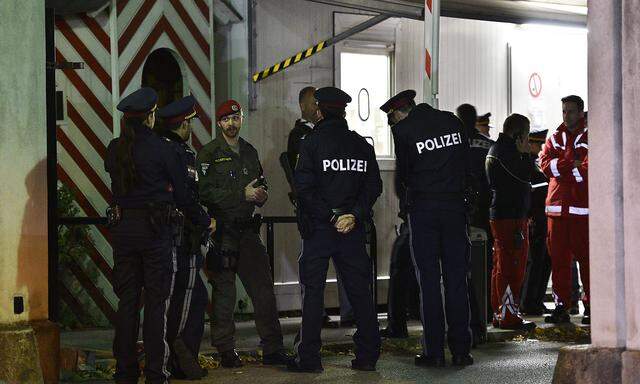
(114, 215)
(220, 258)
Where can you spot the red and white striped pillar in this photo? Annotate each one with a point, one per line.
(432, 51)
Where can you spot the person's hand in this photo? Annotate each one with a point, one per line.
(257, 195)
(523, 146)
(345, 223)
(212, 225)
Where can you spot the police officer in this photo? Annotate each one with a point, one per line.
(337, 181)
(538, 263)
(189, 302)
(303, 127)
(432, 154)
(147, 180)
(480, 201)
(401, 272)
(231, 186)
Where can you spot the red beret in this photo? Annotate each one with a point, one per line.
(229, 107)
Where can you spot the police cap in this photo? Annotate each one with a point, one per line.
(400, 100)
(484, 119)
(538, 136)
(332, 97)
(139, 103)
(179, 110)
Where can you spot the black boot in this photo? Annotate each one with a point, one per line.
(188, 363)
(360, 365)
(462, 360)
(230, 359)
(560, 315)
(276, 358)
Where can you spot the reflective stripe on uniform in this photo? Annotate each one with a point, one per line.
(554, 167)
(577, 175)
(167, 302)
(579, 211)
(553, 209)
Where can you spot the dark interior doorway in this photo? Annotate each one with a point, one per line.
(162, 73)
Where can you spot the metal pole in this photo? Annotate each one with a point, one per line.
(432, 51)
(435, 67)
(52, 161)
(115, 72)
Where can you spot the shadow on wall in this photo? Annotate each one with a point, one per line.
(32, 271)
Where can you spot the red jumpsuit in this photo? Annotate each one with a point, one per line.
(567, 209)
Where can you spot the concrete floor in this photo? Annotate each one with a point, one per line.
(507, 358)
(526, 362)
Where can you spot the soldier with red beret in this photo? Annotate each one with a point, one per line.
(231, 185)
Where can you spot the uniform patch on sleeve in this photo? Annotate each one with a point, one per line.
(222, 160)
(204, 167)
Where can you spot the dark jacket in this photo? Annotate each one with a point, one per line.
(432, 156)
(540, 187)
(479, 147)
(337, 169)
(223, 176)
(160, 175)
(193, 210)
(509, 175)
(300, 130)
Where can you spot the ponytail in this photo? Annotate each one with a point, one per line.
(127, 176)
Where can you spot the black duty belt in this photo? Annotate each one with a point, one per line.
(135, 213)
(448, 196)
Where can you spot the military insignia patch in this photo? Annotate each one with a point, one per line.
(245, 171)
(234, 108)
(204, 167)
(222, 160)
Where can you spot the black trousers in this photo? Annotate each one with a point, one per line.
(440, 244)
(188, 306)
(352, 262)
(144, 257)
(403, 287)
(538, 270)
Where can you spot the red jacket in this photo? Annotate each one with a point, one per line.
(568, 194)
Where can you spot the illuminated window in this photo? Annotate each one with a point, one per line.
(366, 77)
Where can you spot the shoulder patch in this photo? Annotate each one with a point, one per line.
(204, 167)
(222, 160)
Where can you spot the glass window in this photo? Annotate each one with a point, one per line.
(366, 77)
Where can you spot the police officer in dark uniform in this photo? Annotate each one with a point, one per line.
(432, 154)
(189, 302)
(480, 201)
(338, 181)
(538, 263)
(148, 181)
(401, 273)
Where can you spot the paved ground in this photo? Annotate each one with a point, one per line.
(508, 358)
(526, 362)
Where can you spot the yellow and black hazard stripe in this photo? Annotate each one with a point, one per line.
(295, 59)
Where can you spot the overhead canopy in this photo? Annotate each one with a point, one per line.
(67, 7)
(513, 11)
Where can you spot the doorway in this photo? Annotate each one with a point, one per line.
(162, 72)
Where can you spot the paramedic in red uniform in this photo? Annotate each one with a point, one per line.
(508, 168)
(563, 160)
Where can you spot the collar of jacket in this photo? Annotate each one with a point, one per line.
(506, 143)
(223, 145)
(173, 136)
(309, 124)
(581, 128)
(142, 130)
(333, 122)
